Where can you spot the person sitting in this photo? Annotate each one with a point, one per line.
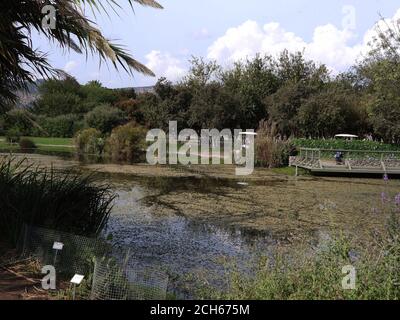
(339, 157)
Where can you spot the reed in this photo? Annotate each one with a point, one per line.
(62, 201)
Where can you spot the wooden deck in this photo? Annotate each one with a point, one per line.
(354, 162)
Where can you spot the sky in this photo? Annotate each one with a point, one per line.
(333, 32)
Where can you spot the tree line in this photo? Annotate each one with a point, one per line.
(300, 97)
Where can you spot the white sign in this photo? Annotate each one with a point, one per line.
(77, 279)
(58, 245)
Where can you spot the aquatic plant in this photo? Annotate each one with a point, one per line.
(317, 273)
(63, 201)
(271, 150)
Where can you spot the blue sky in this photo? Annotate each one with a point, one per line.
(333, 32)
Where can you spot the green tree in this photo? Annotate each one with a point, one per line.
(104, 118)
(249, 83)
(20, 63)
(331, 111)
(58, 97)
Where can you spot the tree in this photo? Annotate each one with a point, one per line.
(250, 83)
(95, 94)
(331, 111)
(20, 62)
(380, 77)
(104, 118)
(58, 97)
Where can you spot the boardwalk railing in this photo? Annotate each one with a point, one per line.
(361, 161)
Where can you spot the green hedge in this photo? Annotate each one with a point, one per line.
(337, 144)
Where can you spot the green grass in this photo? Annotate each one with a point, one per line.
(43, 144)
(52, 141)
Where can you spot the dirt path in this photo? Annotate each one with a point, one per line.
(19, 280)
(14, 287)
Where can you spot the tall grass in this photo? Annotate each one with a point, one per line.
(62, 201)
(271, 150)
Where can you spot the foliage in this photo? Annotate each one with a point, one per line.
(104, 118)
(20, 62)
(13, 135)
(331, 111)
(271, 150)
(42, 197)
(27, 145)
(127, 143)
(19, 119)
(89, 141)
(94, 94)
(63, 126)
(317, 273)
(340, 144)
(59, 97)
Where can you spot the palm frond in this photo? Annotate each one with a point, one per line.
(20, 63)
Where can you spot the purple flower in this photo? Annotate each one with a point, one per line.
(385, 177)
(397, 199)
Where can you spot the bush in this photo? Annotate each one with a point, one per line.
(89, 141)
(339, 144)
(20, 119)
(64, 126)
(104, 118)
(127, 143)
(271, 150)
(13, 135)
(27, 145)
(43, 197)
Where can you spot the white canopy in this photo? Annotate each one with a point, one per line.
(343, 135)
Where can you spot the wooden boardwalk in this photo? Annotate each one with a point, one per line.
(320, 161)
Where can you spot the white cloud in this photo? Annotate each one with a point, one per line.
(70, 66)
(165, 65)
(329, 44)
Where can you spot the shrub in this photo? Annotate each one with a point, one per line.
(64, 126)
(104, 118)
(27, 145)
(43, 197)
(340, 144)
(271, 150)
(89, 141)
(13, 135)
(127, 143)
(20, 119)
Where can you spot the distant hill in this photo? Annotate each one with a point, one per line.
(27, 97)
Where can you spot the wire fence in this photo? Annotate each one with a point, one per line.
(110, 276)
(115, 282)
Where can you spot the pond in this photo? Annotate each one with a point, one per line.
(201, 219)
(198, 223)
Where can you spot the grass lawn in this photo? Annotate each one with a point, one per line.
(43, 144)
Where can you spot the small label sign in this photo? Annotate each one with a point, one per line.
(58, 245)
(77, 279)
